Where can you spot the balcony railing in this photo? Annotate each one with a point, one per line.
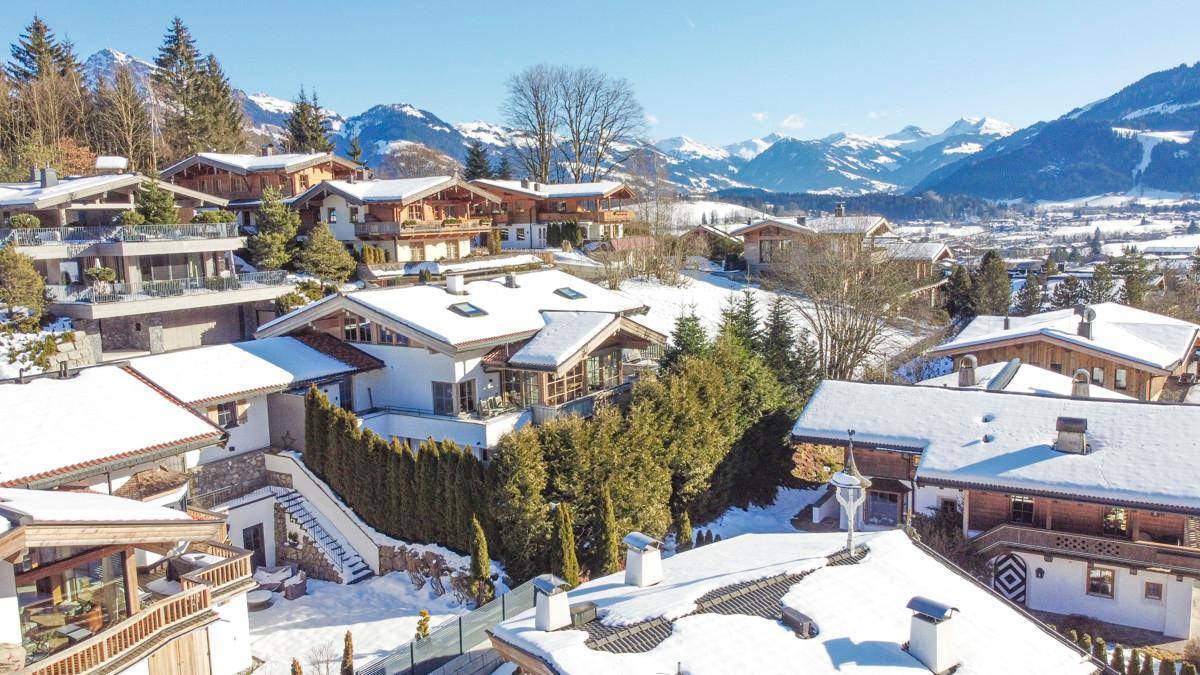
(219, 577)
(601, 216)
(424, 227)
(92, 234)
(1109, 549)
(105, 292)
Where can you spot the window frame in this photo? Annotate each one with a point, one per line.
(1146, 591)
(1013, 501)
(228, 408)
(1111, 574)
(1098, 370)
(443, 393)
(1121, 379)
(466, 396)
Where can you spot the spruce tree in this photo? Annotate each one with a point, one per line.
(1068, 293)
(991, 289)
(175, 79)
(38, 53)
(347, 667)
(1029, 298)
(688, 339)
(481, 571)
(157, 205)
(1147, 665)
(1166, 667)
(608, 544)
(684, 540)
(355, 151)
(1101, 286)
(325, 257)
(20, 283)
(305, 127)
(221, 122)
(1118, 659)
(566, 562)
(271, 246)
(476, 164)
(1051, 266)
(503, 170)
(740, 318)
(1096, 243)
(958, 293)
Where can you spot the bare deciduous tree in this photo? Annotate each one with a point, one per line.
(600, 114)
(323, 659)
(413, 160)
(125, 123)
(532, 108)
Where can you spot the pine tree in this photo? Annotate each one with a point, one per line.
(688, 339)
(157, 205)
(1147, 665)
(175, 79)
(503, 170)
(991, 289)
(684, 540)
(1029, 298)
(305, 128)
(1167, 667)
(1132, 269)
(1134, 665)
(325, 257)
(355, 152)
(1100, 650)
(38, 52)
(20, 283)
(703, 218)
(1188, 668)
(1068, 293)
(740, 320)
(221, 122)
(296, 669)
(271, 246)
(1051, 266)
(958, 293)
(1096, 243)
(608, 544)
(481, 571)
(1118, 659)
(1101, 286)
(476, 164)
(565, 559)
(795, 360)
(422, 625)
(347, 655)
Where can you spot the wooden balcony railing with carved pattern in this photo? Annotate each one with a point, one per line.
(1143, 554)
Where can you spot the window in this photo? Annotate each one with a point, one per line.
(1021, 510)
(1100, 581)
(1152, 591)
(520, 234)
(466, 396)
(1116, 522)
(1098, 376)
(391, 337)
(467, 309)
(416, 212)
(443, 398)
(63, 604)
(504, 235)
(303, 181)
(331, 216)
(948, 505)
(1056, 367)
(569, 293)
(227, 415)
(883, 508)
(1119, 378)
(354, 214)
(416, 252)
(774, 250)
(355, 329)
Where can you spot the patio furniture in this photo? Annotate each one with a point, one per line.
(296, 587)
(256, 601)
(273, 578)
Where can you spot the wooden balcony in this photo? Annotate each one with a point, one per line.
(1140, 554)
(423, 229)
(601, 216)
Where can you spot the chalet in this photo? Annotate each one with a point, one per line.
(241, 178)
(1082, 505)
(782, 603)
(471, 361)
(173, 285)
(1124, 349)
(1015, 376)
(526, 207)
(772, 243)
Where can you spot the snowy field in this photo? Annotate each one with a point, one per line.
(776, 518)
(1117, 249)
(380, 612)
(689, 214)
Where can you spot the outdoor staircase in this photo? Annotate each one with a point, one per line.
(348, 562)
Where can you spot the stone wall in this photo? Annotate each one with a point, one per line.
(482, 659)
(306, 555)
(76, 353)
(141, 332)
(241, 473)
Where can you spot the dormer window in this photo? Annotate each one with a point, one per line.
(467, 309)
(570, 293)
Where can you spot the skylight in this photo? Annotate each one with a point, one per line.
(570, 293)
(467, 309)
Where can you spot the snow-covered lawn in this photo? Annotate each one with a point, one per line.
(11, 345)
(380, 612)
(776, 518)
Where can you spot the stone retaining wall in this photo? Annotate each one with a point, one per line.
(306, 555)
(244, 472)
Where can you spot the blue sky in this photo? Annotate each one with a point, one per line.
(717, 71)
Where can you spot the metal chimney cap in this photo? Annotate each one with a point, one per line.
(1076, 425)
(641, 542)
(550, 584)
(931, 608)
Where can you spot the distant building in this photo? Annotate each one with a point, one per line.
(526, 207)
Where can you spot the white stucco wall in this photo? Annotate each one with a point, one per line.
(343, 229)
(928, 498)
(10, 613)
(260, 512)
(406, 379)
(251, 434)
(229, 638)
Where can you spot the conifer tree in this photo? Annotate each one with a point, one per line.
(1101, 286)
(1100, 650)
(347, 667)
(1134, 665)
(684, 539)
(355, 152)
(481, 571)
(1147, 665)
(20, 283)
(566, 562)
(688, 339)
(476, 164)
(1118, 659)
(38, 52)
(157, 205)
(1029, 298)
(1051, 266)
(1068, 293)
(991, 289)
(325, 257)
(296, 669)
(428, 491)
(608, 545)
(740, 318)
(305, 128)
(1133, 270)
(409, 523)
(959, 293)
(422, 625)
(175, 79)
(1085, 643)
(271, 246)
(503, 170)
(1096, 243)
(1188, 668)
(1167, 667)
(221, 122)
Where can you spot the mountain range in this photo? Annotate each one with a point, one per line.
(1139, 138)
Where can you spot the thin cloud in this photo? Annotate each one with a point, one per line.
(651, 119)
(759, 116)
(793, 121)
(689, 21)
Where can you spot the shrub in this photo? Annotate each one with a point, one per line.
(451, 221)
(214, 216)
(1191, 651)
(24, 221)
(408, 221)
(1073, 636)
(1085, 643)
(1100, 650)
(1188, 668)
(423, 625)
(1166, 667)
(99, 274)
(424, 276)
(130, 218)
(1118, 659)
(1134, 665)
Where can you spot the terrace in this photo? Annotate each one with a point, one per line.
(393, 229)
(1135, 553)
(104, 299)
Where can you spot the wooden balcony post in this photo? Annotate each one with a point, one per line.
(132, 599)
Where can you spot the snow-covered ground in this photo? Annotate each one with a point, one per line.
(381, 613)
(776, 518)
(688, 214)
(12, 343)
(1192, 240)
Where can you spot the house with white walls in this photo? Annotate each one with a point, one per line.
(783, 603)
(525, 209)
(1082, 505)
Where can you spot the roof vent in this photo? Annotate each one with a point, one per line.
(1080, 383)
(966, 370)
(1002, 379)
(267, 149)
(800, 623)
(931, 637)
(525, 183)
(455, 284)
(552, 610)
(839, 210)
(535, 186)
(510, 280)
(643, 560)
(48, 177)
(1086, 322)
(1072, 435)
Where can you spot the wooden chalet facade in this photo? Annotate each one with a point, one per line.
(525, 207)
(774, 244)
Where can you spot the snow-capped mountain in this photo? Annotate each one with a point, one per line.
(749, 149)
(267, 115)
(382, 127)
(103, 65)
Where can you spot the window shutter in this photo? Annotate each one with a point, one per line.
(211, 413)
(243, 412)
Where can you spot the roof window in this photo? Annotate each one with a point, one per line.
(570, 293)
(467, 309)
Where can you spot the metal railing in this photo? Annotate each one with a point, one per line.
(90, 234)
(105, 292)
(454, 638)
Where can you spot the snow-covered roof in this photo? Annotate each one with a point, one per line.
(79, 506)
(401, 190)
(505, 313)
(221, 371)
(32, 195)
(245, 163)
(826, 225)
(102, 414)
(554, 190)
(909, 250)
(460, 266)
(1140, 453)
(1124, 332)
(859, 611)
(564, 334)
(1028, 379)
(111, 163)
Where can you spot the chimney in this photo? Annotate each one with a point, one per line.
(1080, 383)
(1072, 435)
(536, 186)
(268, 149)
(839, 210)
(800, 220)
(525, 183)
(510, 280)
(931, 635)
(966, 370)
(1007, 322)
(552, 608)
(49, 178)
(34, 174)
(455, 285)
(643, 560)
(1086, 322)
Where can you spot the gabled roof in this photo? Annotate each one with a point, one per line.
(203, 374)
(917, 251)
(398, 190)
(243, 164)
(864, 225)
(1142, 454)
(564, 334)
(102, 415)
(556, 190)
(32, 195)
(1025, 379)
(36, 506)
(1153, 340)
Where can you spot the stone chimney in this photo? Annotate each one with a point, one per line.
(510, 280)
(839, 210)
(643, 560)
(931, 634)
(1072, 435)
(1007, 322)
(552, 608)
(966, 370)
(48, 177)
(455, 284)
(34, 174)
(1080, 382)
(1087, 322)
